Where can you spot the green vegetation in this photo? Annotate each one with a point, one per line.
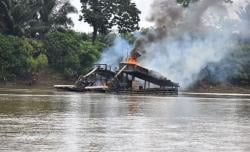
(235, 67)
(34, 18)
(19, 57)
(53, 17)
(102, 15)
(71, 53)
(68, 52)
(242, 62)
(35, 35)
(15, 16)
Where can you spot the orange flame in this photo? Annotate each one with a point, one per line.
(131, 60)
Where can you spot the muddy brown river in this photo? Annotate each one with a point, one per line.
(50, 121)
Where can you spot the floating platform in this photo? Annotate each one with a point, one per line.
(105, 89)
(68, 88)
(130, 78)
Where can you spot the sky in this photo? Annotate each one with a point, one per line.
(142, 5)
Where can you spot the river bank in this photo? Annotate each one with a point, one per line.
(221, 88)
(48, 84)
(47, 79)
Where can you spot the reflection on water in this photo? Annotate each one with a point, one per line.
(38, 120)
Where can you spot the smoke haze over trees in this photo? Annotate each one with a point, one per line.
(194, 43)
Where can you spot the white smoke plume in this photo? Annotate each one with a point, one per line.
(116, 53)
(184, 41)
(244, 16)
(194, 38)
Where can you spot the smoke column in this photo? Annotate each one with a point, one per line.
(115, 54)
(186, 40)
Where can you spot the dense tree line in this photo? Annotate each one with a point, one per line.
(35, 34)
(72, 53)
(24, 26)
(19, 57)
(68, 52)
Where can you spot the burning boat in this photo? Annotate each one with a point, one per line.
(128, 78)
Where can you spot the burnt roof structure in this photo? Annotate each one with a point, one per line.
(147, 75)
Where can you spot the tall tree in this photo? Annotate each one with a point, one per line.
(53, 15)
(17, 15)
(102, 15)
(32, 17)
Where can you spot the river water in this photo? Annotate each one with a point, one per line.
(47, 120)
